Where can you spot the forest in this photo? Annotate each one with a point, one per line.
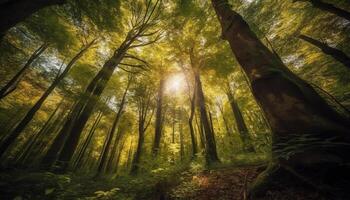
(175, 99)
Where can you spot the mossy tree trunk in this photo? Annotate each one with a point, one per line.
(299, 118)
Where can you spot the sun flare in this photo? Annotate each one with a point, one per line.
(175, 83)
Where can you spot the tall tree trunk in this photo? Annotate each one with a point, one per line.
(117, 159)
(88, 140)
(182, 147)
(85, 106)
(15, 11)
(29, 145)
(30, 114)
(144, 119)
(52, 153)
(335, 53)
(293, 108)
(159, 118)
(103, 162)
(12, 84)
(240, 124)
(110, 166)
(135, 165)
(190, 123)
(329, 8)
(210, 146)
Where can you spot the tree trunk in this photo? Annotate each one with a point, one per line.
(109, 167)
(30, 114)
(86, 105)
(13, 12)
(240, 124)
(295, 111)
(190, 123)
(103, 162)
(33, 140)
(135, 165)
(335, 53)
(159, 119)
(210, 146)
(87, 141)
(12, 84)
(52, 153)
(329, 8)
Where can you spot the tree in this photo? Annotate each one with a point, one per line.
(106, 152)
(159, 118)
(142, 27)
(13, 12)
(240, 124)
(30, 114)
(331, 51)
(329, 8)
(292, 107)
(12, 84)
(143, 95)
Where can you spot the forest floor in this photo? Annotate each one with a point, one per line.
(220, 183)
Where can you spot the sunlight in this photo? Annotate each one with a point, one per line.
(175, 83)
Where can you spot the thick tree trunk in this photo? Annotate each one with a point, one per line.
(103, 162)
(12, 84)
(295, 111)
(159, 118)
(30, 114)
(329, 8)
(13, 12)
(240, 124)
(210, 146)
(335, 53)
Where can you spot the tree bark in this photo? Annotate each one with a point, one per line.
(240, 124)
(103, 162)
(335, 53)
(210, 146)
(12, 84)
(292, 107)
(13, 12)
(159, 118)
(30, 114)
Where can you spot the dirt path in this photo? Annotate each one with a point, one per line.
(231, 184)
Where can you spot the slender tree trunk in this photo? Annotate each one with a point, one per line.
(103, 162)
(12, 84)
(29, 145)
(240, 124)
(88, 140)
(190, 123)
(292, 107)
(13, 12)
(182, 147)
(159, 119)
(329, 8)
(135, 165)
(30, 114)
(86, 105)
(52, 153)
(335, 53)
(117, 160)
(210, 146)
(110, 166)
